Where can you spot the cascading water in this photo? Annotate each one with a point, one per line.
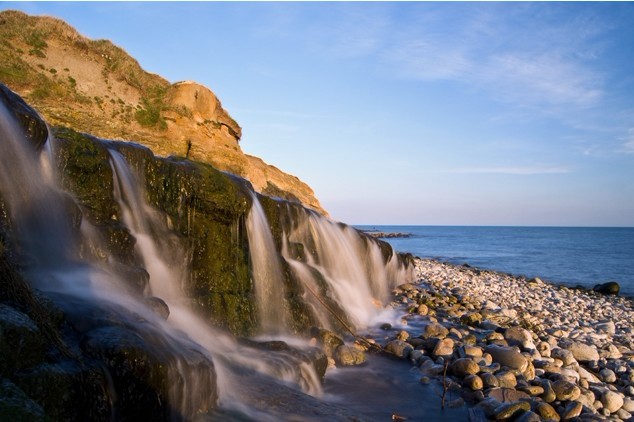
(267, 271)
(230, 357)
(352, 267)
(44, 235)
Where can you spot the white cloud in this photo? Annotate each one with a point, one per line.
(519, 170)
(628, 145)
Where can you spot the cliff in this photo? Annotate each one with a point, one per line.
(95, 87)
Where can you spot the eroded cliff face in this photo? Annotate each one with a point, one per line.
(95, 87)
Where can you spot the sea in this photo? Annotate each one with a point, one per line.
(561, 255)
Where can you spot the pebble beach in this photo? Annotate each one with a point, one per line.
(512, 348)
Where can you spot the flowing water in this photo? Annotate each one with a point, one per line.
(336, 262)
(267, 272)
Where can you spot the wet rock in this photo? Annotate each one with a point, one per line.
(15, 405)
(144, 365)
(33, 126)
(609, 288)
(510, 410)
(348, 356)
(402, 335)
(472, 319)
(327, 340)
(434, 330)
(399, 348)
(533, 390)
(444, 347)
(67, 390)
(470, 351)
(21, 343)
(611, 401)
(463, 367)
(158, 306)
(507, 356)
(422, 309)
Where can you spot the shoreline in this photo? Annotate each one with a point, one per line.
(517, 348)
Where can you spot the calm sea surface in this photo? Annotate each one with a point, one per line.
(563, 255)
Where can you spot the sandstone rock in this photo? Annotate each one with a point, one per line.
(507, 395)
(434, 330)
(510, 410)
(518, 336)
(607, 375)
(581, 352)
(471, 351)
(628, 404)
(399, 348)
(606, 327)
(422, 309)
(508, 356)
(402, 335)
(327, 340)
(444, 347)
(572, 410)
(611, 401)
(546, 411)
(528, 417)
(564, 355)
(463, 367)
(549, 395)
(348, 356)
(473, 382)
(506, 379)
(565, 390)
(489, 380)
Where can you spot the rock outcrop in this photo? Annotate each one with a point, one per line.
(95, 87)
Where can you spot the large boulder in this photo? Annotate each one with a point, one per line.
(609, 288)
(507, 356)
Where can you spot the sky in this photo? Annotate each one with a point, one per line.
(411, 113)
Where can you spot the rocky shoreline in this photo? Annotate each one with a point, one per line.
(511, 348)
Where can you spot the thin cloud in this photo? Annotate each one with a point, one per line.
(520, 171)
(628, 145)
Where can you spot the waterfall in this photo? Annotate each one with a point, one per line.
(231, 358)
(44, 235)
(267, 271)
(352, 267)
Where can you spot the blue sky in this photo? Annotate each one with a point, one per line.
(411, 113)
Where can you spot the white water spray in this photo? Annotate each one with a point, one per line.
(267, 272)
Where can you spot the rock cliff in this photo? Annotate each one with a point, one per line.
(95, 87)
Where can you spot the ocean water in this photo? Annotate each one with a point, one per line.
(560, 255)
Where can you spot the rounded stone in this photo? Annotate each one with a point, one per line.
(473, 382)
(510, 410)
(628, 404)
(463, 367)
(422, 309)
(572, 410)
(546, 411)
(607, 375)
(549, 395)
(506, 379)
(582, 352)
(611, 401)
(348, 356)
(399, 348)
(507, 356)
(564, 355)
(565, 390)
(489, 380)
(518, 336)
(434, 330)
(444, 347)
